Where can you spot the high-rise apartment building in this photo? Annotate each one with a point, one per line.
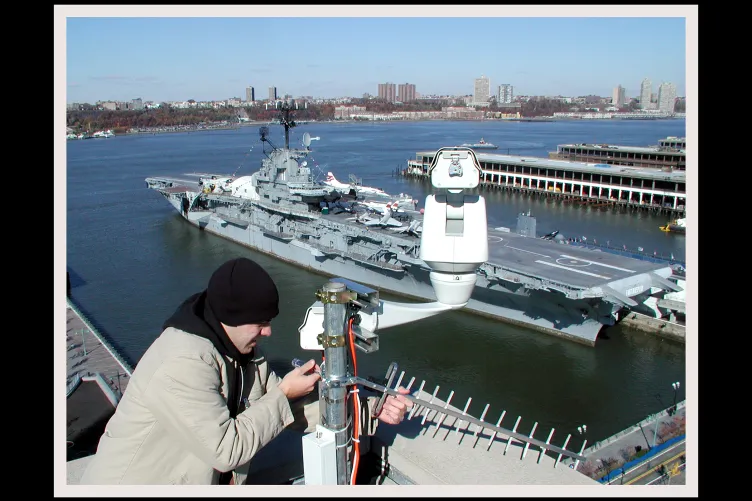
(505, 94)
(619, 97)
(406, 92)
(388, 92)
(646, 92)
(482, 89)
(666, 97)
(250, 94)
(272, 93)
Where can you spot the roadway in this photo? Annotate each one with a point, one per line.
(665, 468)
(645, 435)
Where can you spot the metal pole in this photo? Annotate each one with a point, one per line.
(655, 431)
(335, 389)
(676, 386)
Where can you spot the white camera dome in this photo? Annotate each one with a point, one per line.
(453, 289)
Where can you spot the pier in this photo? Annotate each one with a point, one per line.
(596, 185)
(96, 378)
(89, 353)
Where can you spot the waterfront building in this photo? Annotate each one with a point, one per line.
(482, 91)
(388, 92)
(250, 94)
(669, 154)
(666, 97)
(406, 92)
(461, 112)
(619, 97)
(272, 93)
(646, 93)
(347, 112)
(679, 143)
(505, 94)
(647, 188)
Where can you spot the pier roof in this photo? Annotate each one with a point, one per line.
(627, 149)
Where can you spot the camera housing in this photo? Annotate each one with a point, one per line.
(454, 240)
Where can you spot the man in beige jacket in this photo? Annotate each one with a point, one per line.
(202, 400)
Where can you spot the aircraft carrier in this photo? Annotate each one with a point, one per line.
(539, 283)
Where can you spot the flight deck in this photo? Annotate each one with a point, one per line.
(568, 264)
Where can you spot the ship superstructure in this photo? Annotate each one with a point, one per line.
(538, 283)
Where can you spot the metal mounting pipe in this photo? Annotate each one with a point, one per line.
(335, 377)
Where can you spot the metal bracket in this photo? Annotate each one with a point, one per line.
(365, 340)
(330, 297)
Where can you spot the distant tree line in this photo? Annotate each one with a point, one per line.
(543, 107)
(88, 119)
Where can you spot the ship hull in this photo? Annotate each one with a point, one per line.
(546, 312)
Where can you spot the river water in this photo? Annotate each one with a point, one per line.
(132, 260)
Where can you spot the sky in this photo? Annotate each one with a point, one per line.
(157, 53)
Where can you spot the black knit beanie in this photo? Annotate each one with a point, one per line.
(241, 292)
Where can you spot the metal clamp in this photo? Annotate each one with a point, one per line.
(331, 341)
(390, 372)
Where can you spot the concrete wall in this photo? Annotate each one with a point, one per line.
(657, 326)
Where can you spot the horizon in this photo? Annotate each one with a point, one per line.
(112, 54)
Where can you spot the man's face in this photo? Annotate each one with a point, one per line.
(244, 337)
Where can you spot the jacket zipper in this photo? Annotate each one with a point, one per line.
(239, 385)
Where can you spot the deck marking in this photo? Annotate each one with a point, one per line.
(529, 252)
(572, 269)
(573, 262)
(599, 264)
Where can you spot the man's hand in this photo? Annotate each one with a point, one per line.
(394, 408)
(297, 382)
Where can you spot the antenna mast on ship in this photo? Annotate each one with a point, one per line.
(287, 121)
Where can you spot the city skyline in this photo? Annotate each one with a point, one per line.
(216, 58)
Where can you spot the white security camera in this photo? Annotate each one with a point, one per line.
(454, 241)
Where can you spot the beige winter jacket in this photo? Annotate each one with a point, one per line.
(173, 426)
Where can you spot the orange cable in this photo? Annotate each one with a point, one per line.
(356, 409)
